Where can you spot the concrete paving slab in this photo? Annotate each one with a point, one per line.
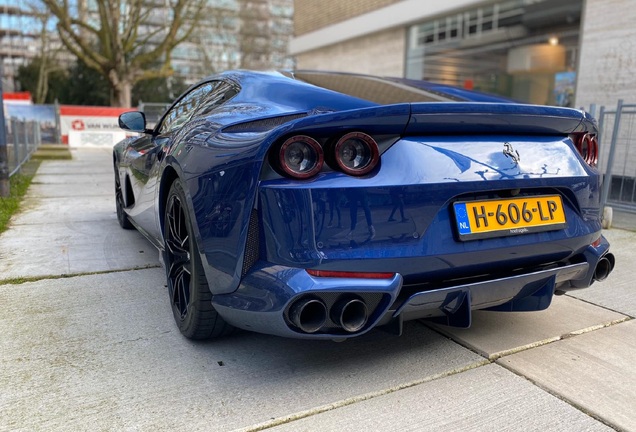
(91, 153)
(485, 398)
(83, 161)
(102, 167)
(101, 352)
(75, 178)
(68, 225)
(64, 248)
(618, 291)
(594, 371)
(86, 189)
(494, 334)
(68, 210)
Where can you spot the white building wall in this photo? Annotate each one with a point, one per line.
(607, 63)
(377, 54)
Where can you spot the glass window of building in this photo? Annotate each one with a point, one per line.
(522, 49)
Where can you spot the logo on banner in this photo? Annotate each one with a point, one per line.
(78, 125)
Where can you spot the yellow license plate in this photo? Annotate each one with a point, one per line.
(497, 218)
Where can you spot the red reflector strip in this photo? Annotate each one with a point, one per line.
(344, 274)
(597, 242)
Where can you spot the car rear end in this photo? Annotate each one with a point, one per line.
(375, 216)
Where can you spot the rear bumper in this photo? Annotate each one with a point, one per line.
(268, 293)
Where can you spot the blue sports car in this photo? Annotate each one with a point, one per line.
(322, 205)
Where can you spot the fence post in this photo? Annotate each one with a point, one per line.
(58, 126)
(601, 123)
(601, 120)
(5, 188)
(16, 146)
(38, 139)
(610, 159)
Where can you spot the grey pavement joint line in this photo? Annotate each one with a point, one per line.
(601, 306)
(356, 399)
(597, 327)
(496, 356)
(548, 341)
(562, 398)
(21, 280)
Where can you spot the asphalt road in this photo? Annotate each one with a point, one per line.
(87, 342)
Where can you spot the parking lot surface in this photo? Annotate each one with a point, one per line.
(87, 342)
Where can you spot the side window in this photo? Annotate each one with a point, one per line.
(222, 93)
(183, 110)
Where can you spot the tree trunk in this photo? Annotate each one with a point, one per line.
(121, 95)
(43, 81)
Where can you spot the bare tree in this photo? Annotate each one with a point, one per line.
(125, 40)
(255, 35)
(48, 53)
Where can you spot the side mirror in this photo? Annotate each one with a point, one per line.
(134, 121)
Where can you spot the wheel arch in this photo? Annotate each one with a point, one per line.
(167, 178)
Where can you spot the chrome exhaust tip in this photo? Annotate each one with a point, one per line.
(308, 314)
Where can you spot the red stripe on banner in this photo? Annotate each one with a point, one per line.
(92, 111)
(14, 96)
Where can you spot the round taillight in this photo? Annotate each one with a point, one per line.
(587, 145)
(301, 157)
(356, 153)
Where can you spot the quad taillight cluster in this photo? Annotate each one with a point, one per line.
(587, 146)
(302, 157)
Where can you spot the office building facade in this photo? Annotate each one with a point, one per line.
(557, 52)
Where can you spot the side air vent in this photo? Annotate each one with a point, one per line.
(253, 244)
(264, 124)
(129, 196)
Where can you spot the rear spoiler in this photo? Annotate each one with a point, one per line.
(456, 118)
(461, 118)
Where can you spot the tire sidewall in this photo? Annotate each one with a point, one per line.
(188, 325)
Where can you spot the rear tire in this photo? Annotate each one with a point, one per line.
(190, 295)
(122, 217)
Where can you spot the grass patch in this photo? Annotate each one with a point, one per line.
(52, 152)
(19, 184)
(26, 279)
(52, 155)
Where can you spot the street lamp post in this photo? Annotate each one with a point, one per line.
(4, 159)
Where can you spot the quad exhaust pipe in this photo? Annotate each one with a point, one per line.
(350, 313)
(604, 267)
(309, 314)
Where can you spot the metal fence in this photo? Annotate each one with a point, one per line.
(27, 127)
(23, 139)
(617, 160)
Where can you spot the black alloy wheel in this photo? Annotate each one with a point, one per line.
(122, 217)
(190, 295)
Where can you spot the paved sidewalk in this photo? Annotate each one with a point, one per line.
(87, 342)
